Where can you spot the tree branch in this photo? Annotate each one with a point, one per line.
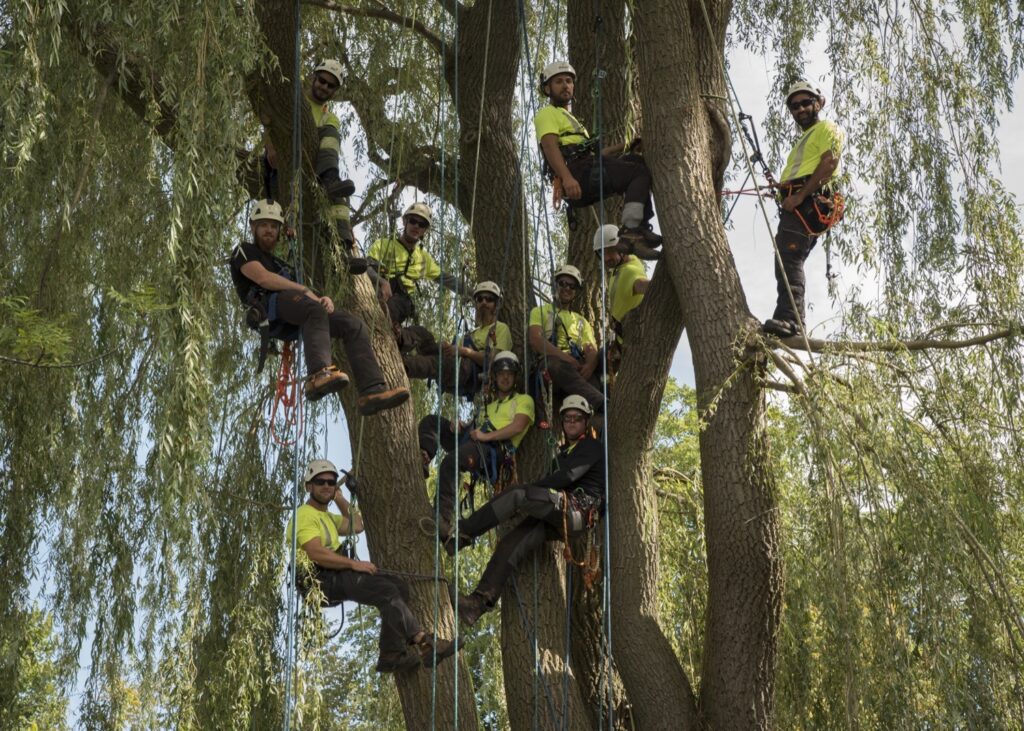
(894, 346)
(380, 11)
(37, 364)
(453, 7)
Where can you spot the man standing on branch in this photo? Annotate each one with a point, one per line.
(478, 346)
(564, 343)
(627, 283)
(324, 84)
(403, 643)
(266, 284)
(809, 205)
(569, 499)
(397, 265)
(573, 157)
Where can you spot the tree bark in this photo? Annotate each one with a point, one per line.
(680, 68)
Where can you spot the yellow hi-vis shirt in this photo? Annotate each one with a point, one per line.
(552, 120)
(621, 298)
(502, 413)
(396, 260)
(823, 136)
(569, 327)
(313, 523)
(481, 337)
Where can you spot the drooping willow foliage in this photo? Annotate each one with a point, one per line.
(140, 501)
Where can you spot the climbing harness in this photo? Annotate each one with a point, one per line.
(587, 507)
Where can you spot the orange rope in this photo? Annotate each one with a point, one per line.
(289, 397)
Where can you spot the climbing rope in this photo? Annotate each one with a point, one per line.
(287, 396)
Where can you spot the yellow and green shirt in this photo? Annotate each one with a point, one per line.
(570, 327)
(396, 260)
(621, 298)
(313, 523)
(823, 136)
(502, 337)
(552, 120)
(501, 413)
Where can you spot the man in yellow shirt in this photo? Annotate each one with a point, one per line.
(627, 278)
(403, 643)
(398, 265)
(507, 417)
(589, 174)
(324, 85)
(809, 172)
(563, 342)
(490, 336)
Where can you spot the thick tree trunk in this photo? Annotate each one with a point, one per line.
(386, 459)
(490, 197)
(681, 75)
(393, 500)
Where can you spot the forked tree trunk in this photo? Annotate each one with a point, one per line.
(680, 68)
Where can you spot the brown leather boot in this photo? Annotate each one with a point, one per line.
(377, 401)
(323, 382)
(640, 242)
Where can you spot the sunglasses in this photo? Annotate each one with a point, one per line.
(417, 222)
(802, 104)
(490, 299)
(573, 419)
(324, 481)
(567, 284)
(327, 81)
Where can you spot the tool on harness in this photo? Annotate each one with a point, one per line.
(755, 144)
(820, 211)
(588, 507)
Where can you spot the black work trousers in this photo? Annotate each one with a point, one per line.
(794, 244)
(317, 330)
(389, 594)
(427, 366)
(543, 510)
(627, 175)
(472, 456)
(400, 306)
(569, 382)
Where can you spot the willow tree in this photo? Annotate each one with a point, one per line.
(130, 137)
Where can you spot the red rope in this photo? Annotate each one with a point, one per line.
(288, 396)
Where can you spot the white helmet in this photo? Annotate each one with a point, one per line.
(489, 288)
(554, 69)
(331, 66)
(606, 237)
(576, 402)
(805, 86)
(506, 360)
(568, 270)
(422, 210)
(266, 210)
(319, 466)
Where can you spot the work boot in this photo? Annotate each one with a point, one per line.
(323, 382)
(390, 662)
(463, 541)
(432, 650)
(381, 399)
(640, 241)
(339, 188)
(471, 607)
(780, 328)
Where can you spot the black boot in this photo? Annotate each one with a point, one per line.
(780, 328)
(471, 607)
